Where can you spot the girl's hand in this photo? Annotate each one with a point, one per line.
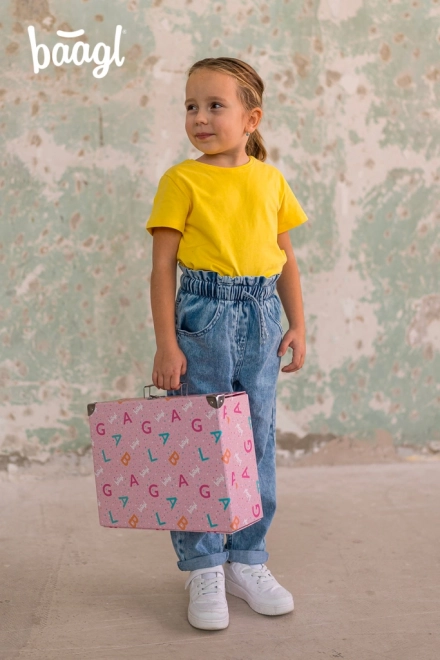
(169, 364)
(296, 340)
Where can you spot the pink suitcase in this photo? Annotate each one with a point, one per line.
(177, 463)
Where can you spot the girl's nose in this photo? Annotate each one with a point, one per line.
(200, 117)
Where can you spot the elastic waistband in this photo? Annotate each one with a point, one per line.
(212, 284)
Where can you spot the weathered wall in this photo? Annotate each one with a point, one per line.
(351, 119)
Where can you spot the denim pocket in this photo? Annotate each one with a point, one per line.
(273, 309)
(197, 315)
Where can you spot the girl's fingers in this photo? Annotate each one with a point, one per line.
(166, 375)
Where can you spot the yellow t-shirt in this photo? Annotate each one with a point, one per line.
(229, 217)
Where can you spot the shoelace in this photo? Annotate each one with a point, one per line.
(208, 586)
(260, 571)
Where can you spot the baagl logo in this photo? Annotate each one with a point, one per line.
(80, 54)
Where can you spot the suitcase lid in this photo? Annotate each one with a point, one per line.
(215, 399)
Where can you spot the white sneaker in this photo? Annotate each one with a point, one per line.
(257, 586)
(208, 608)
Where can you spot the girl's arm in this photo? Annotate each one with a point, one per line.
(169, 361)
(289, 290)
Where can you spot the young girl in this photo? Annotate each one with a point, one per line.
(225, 218)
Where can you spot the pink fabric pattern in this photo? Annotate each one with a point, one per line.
(175, 463)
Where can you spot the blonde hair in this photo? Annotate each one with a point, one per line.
(250, 92)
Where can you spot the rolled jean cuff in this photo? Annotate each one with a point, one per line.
(249, 556)
(204, 561)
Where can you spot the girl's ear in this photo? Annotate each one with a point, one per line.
(255, 117)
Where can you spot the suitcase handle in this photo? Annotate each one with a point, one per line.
(151, 396)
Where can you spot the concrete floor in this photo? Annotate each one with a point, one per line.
(358, 546)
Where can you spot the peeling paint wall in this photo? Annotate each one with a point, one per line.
(351, 119)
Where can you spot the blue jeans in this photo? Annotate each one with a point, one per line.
(229, 329)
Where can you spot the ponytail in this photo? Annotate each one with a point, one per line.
(255, 146)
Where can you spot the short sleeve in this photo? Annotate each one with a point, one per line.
(170, 206)
(290, 213)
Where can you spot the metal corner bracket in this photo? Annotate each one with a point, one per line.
(215, 400)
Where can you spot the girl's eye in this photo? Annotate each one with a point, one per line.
(189, 107)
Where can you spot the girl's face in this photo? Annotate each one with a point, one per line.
(216, 121)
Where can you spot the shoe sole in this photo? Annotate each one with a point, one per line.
(262, 608)
(203, 624)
